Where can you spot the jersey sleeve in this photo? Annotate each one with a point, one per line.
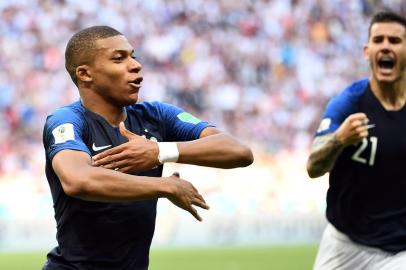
(178, 124)
(64, 130)
(341, 106)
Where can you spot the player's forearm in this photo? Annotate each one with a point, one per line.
(99, 184)
(324, 153)
(218, 150)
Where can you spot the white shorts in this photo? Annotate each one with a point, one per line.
(337, 251)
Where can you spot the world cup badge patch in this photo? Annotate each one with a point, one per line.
(324, 124)
(63, 133)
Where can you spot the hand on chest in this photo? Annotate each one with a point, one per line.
(104, 137)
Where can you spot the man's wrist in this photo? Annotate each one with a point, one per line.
(337, 141)
(337, 144)
(166, 188)
(168, 152)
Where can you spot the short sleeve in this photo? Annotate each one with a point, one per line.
(64, 129)
(341, 106)
(178, 124)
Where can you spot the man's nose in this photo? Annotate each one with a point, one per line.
(135, 66)
(386, 45)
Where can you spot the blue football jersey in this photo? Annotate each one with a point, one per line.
(100, 235)
(366, 198)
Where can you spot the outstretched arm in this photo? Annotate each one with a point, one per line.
(325, 149)
(213, 149)
(80, 179)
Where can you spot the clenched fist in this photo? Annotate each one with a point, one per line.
(353, 129)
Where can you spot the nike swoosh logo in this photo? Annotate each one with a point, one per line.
(98, 148)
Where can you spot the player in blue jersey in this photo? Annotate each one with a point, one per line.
(361, 141)
(105, 204)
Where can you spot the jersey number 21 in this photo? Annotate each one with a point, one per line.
(361, 149)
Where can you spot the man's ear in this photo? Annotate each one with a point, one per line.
(366, 52)
(83, 73)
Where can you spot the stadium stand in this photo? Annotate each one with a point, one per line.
(262, 70)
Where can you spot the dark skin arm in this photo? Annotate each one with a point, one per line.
(82, 180)
(215, 149)
(212, 149)
(326, 149)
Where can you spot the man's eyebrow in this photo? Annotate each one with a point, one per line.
(386, 34)
(123, 51)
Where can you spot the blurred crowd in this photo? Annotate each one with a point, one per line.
(260, 69)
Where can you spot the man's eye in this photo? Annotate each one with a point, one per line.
(395, 40)
(377, 39)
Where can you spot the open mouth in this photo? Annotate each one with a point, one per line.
(136, 82)
(386, 63)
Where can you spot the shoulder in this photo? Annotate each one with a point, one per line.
(72, 113)
(154, 109)
(353, 92)
(69, 112)
(150, 105)
(341, 106)
(346, 102)
(66, 128)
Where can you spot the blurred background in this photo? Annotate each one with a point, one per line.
(262, 70)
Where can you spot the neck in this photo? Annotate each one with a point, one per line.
(391, 95)
(112, 113)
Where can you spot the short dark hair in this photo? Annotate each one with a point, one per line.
(386, 16)
(80, 47)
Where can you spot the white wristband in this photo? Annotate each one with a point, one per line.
(168, 152)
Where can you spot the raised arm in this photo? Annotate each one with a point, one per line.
(213, 149)
(82, 180)
(325, 149)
